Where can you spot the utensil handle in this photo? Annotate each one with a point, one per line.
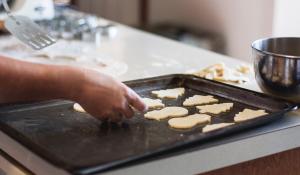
(6, 7)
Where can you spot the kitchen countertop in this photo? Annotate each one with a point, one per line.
(148, 55)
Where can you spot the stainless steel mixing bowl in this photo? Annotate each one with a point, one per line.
(277, 66)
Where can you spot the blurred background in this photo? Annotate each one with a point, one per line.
(227, 26)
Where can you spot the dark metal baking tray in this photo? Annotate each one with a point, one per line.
(82, 144)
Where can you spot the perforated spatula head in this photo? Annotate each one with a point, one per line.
(28, 32)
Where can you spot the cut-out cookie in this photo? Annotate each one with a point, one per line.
(215, 108)
(189, 121)
(248, 114)
(166, 112)
(153, 103)
(213, 127)
(199, 100)
(169, 93)
(77, 107)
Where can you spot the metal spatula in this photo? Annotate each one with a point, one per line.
(26, 30)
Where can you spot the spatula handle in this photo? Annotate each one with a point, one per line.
(5, 5)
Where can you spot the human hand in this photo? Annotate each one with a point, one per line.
(106, 98)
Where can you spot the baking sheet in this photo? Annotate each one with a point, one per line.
(82, 144)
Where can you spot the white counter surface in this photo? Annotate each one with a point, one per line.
(148, 55)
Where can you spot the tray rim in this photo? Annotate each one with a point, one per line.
(100, 168)
(264, 95)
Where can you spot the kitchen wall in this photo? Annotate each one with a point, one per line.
(286, 18)
(239, 21)
(118, 10)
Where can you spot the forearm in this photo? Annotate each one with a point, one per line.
(100, 95)
(24, 81)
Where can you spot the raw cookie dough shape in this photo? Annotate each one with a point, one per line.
(215, 108)
(153, 103)
(169, 93)
(199, 100)
(172, 111)
(248, 114)
(77, 107)
(213, 127)
(189, 121)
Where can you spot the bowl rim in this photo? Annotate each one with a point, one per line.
(272, 53)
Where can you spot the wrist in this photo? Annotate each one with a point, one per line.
(69, 82)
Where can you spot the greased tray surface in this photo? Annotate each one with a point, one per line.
(81, 144)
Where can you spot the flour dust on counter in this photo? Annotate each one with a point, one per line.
(66, 52)
(220, 72)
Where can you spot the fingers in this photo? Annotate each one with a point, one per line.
(127, 111)
(136, 101)
(118, 113)
(115, 117)
(114, 108)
